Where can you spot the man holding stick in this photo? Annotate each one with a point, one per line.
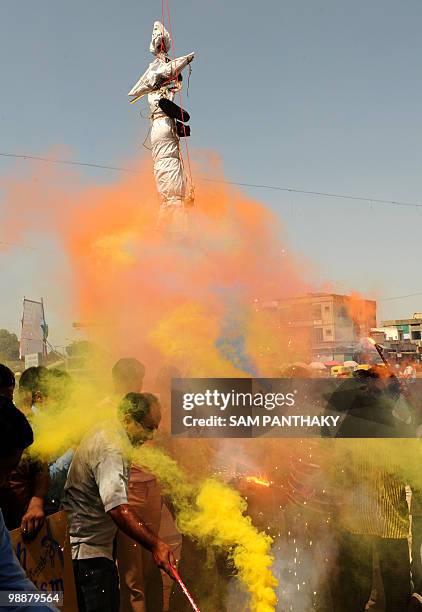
(141, 585)
(97, 503)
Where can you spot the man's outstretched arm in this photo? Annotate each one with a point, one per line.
(128, 521)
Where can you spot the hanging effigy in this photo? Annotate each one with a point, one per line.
(160, 82)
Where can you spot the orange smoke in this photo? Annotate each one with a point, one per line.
(189, 305)
(361, 313)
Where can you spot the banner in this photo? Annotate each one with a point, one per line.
(32, 360)
(47, 560)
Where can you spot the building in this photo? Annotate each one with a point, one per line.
(329, 325)
(404, 329)
(401, 338)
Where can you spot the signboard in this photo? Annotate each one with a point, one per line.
(32, 360)
(47, 560)
(280, 407)
(34, 329)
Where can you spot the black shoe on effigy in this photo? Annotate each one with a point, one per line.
(415, 603)
(172, 110)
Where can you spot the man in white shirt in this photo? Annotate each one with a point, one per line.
(97, 504)
(409, 372)
(141, 585)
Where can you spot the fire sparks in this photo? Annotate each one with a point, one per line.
(184, 589)
(258, 480)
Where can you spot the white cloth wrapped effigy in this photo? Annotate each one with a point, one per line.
(162, 80)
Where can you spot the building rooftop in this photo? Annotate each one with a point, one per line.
(394, 322)
(319, 295)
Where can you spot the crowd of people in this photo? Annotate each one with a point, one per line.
(114, 507)
(375, 487)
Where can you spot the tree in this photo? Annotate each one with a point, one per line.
(9, 346)
(86, 355)
(82, 348)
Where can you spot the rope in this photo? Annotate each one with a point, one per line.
(180, 91)
(162, 21)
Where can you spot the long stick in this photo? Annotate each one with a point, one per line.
(403, 389)
(184, 589)
(384, 359)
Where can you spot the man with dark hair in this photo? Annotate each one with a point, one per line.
(96, 500)
(140, 408)
(7, 382)
(22, 496)
(33, 388)
(128, 376)
(141, 585)
(15, 436)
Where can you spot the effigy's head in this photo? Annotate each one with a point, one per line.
(160, 40)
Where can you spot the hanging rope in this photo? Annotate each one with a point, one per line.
(180, 90)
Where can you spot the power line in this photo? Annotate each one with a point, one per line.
(366, 199)
(369, 200)
(400, 297)
(67, 162)
(21, 246)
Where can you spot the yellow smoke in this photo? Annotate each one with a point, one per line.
(187, 336)
(214, 514)
(56, 430)
(401, 457)
(207, 510)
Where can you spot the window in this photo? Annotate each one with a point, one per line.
(416, 335)
(302, 312)
(318, 334)
(316, 311)
(342, 312)
(328, 332)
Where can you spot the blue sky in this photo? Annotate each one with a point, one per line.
(322, 96)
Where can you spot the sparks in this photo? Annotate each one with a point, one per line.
(258, 480)
(184, 589)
